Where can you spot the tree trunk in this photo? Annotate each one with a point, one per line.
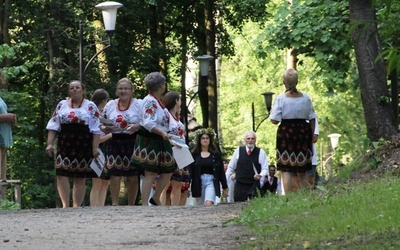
(373, 82)
(184, 43)
(163, 60)
(212, 79)
(203, 80)
(5, 35)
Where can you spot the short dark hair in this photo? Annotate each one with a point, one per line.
(99, 95)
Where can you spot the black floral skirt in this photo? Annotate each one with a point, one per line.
(119, 155)
(74, 151)
(294, 146)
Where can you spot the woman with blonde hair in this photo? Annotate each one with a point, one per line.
(294, 112)
(123, 113)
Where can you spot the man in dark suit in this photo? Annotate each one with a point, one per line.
(249, 163)
(270, 183)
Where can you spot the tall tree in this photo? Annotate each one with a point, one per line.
(374, 93)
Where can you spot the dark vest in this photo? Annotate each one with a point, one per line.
(272, 188)
(244, 168)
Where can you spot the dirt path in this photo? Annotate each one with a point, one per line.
(121, 227)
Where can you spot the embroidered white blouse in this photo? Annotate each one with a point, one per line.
(122, 119)
(152, 114)
(176, 127)
(86, 114)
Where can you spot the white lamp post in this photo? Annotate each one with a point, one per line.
(334, 143)
(334, 139)
(204, 64)
(109, 11)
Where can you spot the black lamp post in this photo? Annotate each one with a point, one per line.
(109, 11)
(268, 105)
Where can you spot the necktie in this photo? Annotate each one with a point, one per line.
(248, 152)
(271, 180)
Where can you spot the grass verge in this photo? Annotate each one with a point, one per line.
(362, 215)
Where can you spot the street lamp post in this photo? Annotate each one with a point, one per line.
(204, 61)
(109, 12)
(334, 144)
(268, 105)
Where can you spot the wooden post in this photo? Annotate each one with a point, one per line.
(16, 190)
(3, 190)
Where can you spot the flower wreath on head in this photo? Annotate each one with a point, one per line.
(203, 131)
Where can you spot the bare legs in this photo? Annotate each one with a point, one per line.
(165, 197)
(115, 185)
(132, 183)
(175, 197)
(148, 180)
(287, 182)
(292, 182)
(162, 182)
(78, 191)
(147, 184)
(183, 200)
(3, 163)
(98, 192)
(64, 189)
(176, 193)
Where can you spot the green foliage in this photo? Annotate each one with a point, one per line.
(323, 35)
(237, 13)
(8, 205)
(11, 52)
(358, 215)
(386, 14)
(27, 160)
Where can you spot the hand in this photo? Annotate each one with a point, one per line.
(257, 177)
(233, 176)
(10, 118)
(132, 128)
(14, 120)
(49, 150)
(225, 192)
(95, 152)
(107, 129)
(165, 136)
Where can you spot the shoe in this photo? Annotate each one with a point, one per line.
(152, 202)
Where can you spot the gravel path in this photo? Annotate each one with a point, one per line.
(122, 227)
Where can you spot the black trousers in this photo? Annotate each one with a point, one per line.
(245, 191)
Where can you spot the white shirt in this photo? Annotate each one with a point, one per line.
(292, 108)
